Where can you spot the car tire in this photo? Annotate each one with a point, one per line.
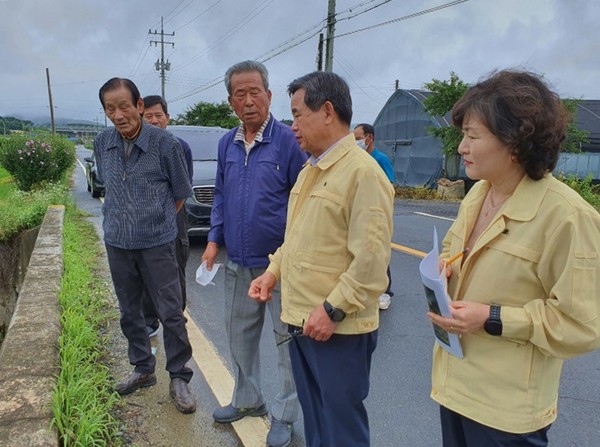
(96, 193)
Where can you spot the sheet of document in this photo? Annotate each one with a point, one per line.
(436, 292)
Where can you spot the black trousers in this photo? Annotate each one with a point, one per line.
(332, 381)
(155, 270)
(389, 287)
(459, 431)
(182, 253)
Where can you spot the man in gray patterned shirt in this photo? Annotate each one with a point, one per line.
(146, 179)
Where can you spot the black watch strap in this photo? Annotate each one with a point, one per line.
(333, 313)
(493, 324)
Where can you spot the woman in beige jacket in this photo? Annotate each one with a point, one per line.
(527, 294)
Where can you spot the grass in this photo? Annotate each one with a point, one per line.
(20, 210)
(416, 193)
(83, 398)
(7, 186)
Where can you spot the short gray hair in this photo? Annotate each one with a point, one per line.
(322, 86)
(247, 67)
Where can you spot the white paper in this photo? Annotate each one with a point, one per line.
(204, 276)
(436, 292)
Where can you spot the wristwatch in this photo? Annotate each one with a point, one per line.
(334, 313)
(493, 325)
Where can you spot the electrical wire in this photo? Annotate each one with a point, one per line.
(410, 16)
(229, 33)
(199, 15)
(263, 58)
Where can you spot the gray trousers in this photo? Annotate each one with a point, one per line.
(244, 320)
(155, 270)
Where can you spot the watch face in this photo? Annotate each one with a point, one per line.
(493, 327)
(338, 315)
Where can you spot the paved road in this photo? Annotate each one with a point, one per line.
(401, 413)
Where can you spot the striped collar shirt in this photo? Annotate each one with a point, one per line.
(240, 135)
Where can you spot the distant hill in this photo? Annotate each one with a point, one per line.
(44, 121)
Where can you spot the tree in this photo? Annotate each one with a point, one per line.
(575, 136)
(444, 95)
(209, 114)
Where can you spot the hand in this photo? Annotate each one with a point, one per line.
(260, 288)
(467, 317)
(319, 326)
(443, 266)
(210, 253)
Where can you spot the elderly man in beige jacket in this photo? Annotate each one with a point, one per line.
(332, 264)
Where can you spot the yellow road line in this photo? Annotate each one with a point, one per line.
(408, 250)
(252, 431)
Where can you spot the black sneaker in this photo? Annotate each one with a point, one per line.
(231, 414)
(280, 434)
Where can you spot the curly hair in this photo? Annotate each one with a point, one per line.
(521, 111)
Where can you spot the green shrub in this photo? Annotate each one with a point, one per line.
(585, 188)
(34, 160)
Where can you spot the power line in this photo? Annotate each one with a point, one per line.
(292, 43)
(140, 58)
(352, 9)
(173, 9)
(199, 15)
(229, 33)
(181, 10)
(410, 16)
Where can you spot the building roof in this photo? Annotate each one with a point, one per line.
(587, 117)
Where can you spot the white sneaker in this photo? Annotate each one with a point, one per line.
(384, 301)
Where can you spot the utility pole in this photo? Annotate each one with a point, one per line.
(161, 65)
(50, 98)
(320, 53)
(330, 33)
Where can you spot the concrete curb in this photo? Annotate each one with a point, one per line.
(28, 378)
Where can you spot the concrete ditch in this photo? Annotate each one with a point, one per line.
(28, 370)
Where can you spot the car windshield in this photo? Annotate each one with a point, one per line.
(202, 140)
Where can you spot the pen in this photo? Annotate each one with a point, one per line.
(458, 256)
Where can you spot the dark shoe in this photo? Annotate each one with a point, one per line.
(185, 402)
(134, 381)
(280, 434)
(232, 414)
(152, 331)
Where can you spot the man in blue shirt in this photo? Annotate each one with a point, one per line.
(157, 114)
(146, 179)
(258, 163)
(365, 139)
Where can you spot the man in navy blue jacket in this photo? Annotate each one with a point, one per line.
(258, 163)
(156, 113)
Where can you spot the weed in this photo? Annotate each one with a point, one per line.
(83, 398)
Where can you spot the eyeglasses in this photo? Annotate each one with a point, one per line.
(296, 332)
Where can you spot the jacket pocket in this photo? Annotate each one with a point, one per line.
(318, 274)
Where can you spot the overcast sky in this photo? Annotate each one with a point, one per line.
(83, 43)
